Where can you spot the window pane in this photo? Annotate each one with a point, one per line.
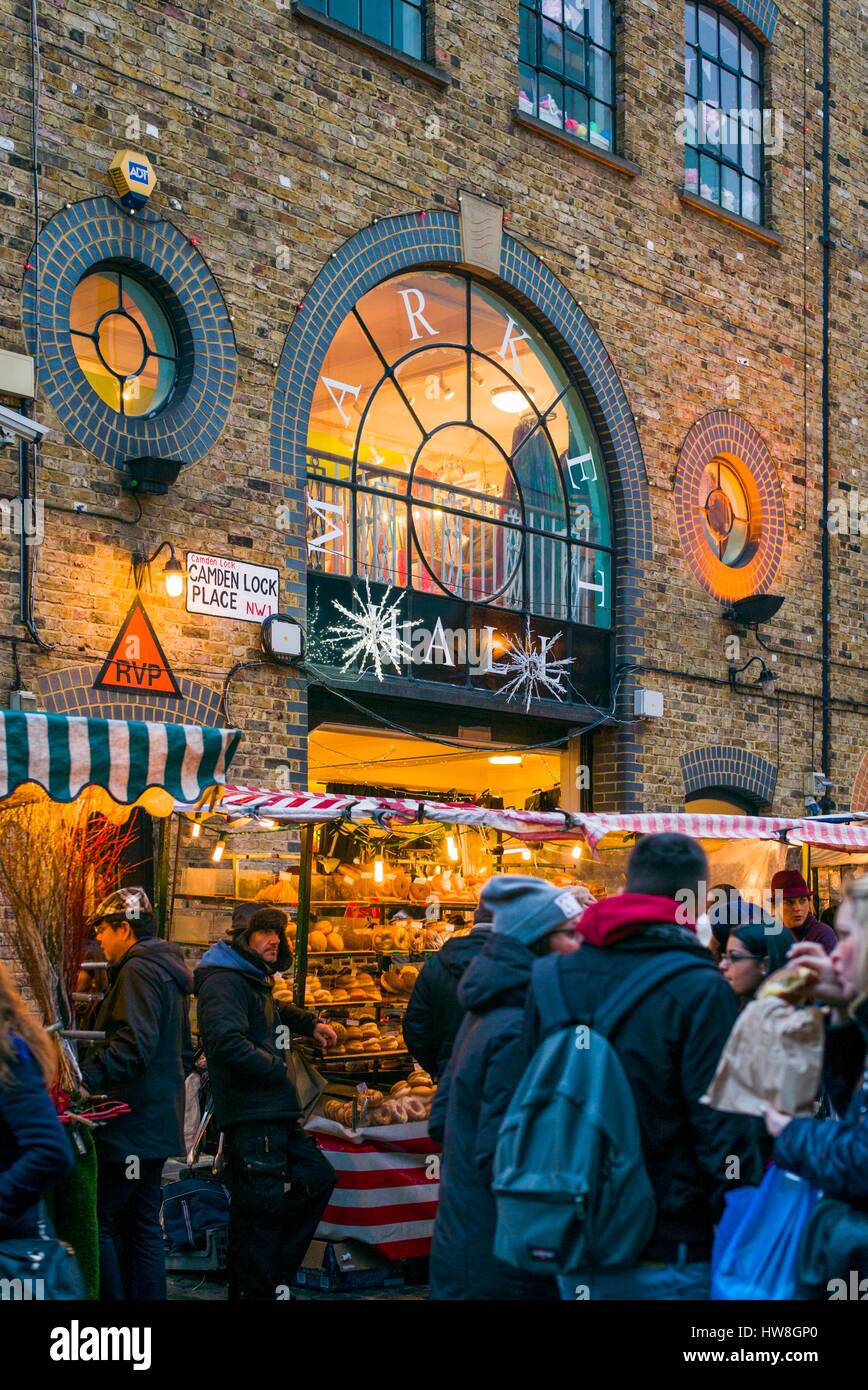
(552, 9)
(728, 42)
(347, 11)
(600, 22)
(750, 58)
(547, 576)
(729, 192)
(600, 74)
(141, 305)
(709, 179)
(710, 119)
(750, 102)
(552, 46)
(750, 200)
(710, 81)
(708, 31)
(600, 132)
(576, 121)
(435, 384)
(536, 470)
(407, 32)
(591, 587)
(527, 50)
(329, 509)
(415, 310)
(690, 121)
(551, 100)
(691, 171)
(349, 374)
(376, 20)
(691, 77)
(690, 23)
(389, 440)
(574, 59)
(574, 16)
(381, 539)
(527, 90)
(106, 386)
(751, 152)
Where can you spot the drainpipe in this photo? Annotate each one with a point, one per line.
(828, 246)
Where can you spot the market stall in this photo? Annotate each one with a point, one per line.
(373, 886)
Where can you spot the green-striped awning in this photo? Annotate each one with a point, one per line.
(121, 762)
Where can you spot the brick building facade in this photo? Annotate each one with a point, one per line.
(299, 165)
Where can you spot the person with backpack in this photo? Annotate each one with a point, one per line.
(608, 1170)
(434, 1011)
(531, 918)
(280, 1181)
(144, 1060)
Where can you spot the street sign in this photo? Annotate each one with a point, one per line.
(136, 661)
(225, 588)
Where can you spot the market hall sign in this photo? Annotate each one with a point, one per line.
(225, 588)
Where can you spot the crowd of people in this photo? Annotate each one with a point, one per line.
(477, 1022)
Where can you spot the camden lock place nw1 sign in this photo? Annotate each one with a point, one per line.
(230, 588)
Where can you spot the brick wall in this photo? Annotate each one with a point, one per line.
(274, 143)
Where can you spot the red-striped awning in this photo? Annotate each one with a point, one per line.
(304, 808)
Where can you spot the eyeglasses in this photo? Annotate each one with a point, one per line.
(733, 957)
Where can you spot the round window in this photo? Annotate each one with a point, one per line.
(123, 342)
(726, 514)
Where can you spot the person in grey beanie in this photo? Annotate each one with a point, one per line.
(530, 918)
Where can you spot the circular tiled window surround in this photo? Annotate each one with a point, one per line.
(97, 232)
(725, 436)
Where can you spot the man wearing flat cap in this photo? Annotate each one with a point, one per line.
(792, 891)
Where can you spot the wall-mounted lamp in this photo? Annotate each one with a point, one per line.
(765, 676)
(173, 570)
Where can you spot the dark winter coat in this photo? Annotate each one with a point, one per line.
(434, 1013)
(471, 1102)
(146, 1054)
(35, 1154)
(814, 930)
(238, 1021)
(833, 1154)
(669, 1047)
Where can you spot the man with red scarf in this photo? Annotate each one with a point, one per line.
(669, 1048)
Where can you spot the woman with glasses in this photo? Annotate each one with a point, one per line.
(756, 945)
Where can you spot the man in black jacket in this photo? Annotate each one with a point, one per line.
(669, 1048)
(145, 1057)
(433, 1015)
(280, 1181)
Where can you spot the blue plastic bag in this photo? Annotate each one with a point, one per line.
(757, 1243)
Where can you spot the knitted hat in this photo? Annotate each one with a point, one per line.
(528, 909)
(790, 884)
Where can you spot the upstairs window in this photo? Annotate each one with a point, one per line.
(399, 24)
(723, 116)
(567, 67)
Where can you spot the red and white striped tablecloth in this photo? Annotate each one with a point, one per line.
(387, 1188)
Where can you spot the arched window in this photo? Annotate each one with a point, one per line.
(123, 341)
(723, 125)
(450, 454)
(567, 67)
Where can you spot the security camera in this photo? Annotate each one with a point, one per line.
(14, 426)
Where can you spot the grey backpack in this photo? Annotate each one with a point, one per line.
(570, 1181)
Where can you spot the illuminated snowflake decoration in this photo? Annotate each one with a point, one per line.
(532, 674)
(372, 633)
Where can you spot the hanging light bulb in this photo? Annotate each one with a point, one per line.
(577, 851)
(219, 850)
(195, 831)
(451, 848)
(268, 824)
(379, 870)
(525, 854)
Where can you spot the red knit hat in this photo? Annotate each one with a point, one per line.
(790, 884)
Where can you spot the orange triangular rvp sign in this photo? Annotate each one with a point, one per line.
(136, 661)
